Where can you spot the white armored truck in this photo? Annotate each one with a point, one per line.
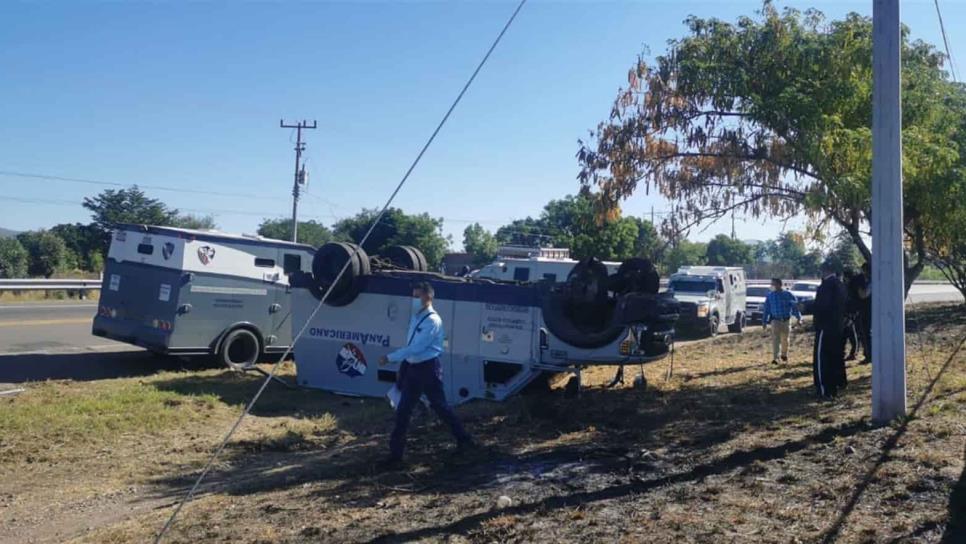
(500, 335)
(194, 292)
(710, 296)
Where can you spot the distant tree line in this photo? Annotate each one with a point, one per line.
(78, 248)
(571, 222)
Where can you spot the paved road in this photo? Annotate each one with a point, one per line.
(53, 341)
(40, 341)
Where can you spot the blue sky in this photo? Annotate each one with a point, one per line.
(189, 95)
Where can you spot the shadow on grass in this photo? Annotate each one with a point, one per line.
(723, 465)
(922, 317)
(91, 366)
(956, 529)
(832, 533)
(608, 426)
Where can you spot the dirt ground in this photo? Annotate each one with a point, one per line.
(730, 449)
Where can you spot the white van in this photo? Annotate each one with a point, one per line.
(710, 296)
(533, 269)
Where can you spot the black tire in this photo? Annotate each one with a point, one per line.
(406, 258)
(636, 275)
(423, 263)
(714, 323)
(739, 324)
(588, 281)
(556, 313)
(240, 349)
(329, 261)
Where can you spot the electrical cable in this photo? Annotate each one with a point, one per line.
(949, 55)
(88, 181)
(268, 378)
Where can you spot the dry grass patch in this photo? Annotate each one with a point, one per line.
(730, 449)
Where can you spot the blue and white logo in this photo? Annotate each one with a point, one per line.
(351, 361)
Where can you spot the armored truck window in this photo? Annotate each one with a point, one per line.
(145, 249)
(265, 263)
(292, 263)
(521, 273)
(550, 277)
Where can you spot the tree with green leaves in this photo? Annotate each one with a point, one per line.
(48, 252)
(112, 207)
(396, 228)
(479, 243)
(83, 244)
(572, 222)
(196, 222)
(724, 250)
(14, 259)
(685, 253)
(844, 255)
(791, 258)
(525, 232)
(311, 232)
(771, 116)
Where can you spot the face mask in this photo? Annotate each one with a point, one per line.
(417, 305)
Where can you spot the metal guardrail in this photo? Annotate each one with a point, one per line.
(48, 284)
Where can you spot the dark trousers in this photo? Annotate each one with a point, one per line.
(863, 325)
(828, 362)
(420, 379)
(851, 336)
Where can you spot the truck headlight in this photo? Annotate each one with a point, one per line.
(702, 310)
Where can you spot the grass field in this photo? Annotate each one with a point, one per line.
(729, 449)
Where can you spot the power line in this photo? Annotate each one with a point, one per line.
(338, 277)
(88, 181)
(949, 55)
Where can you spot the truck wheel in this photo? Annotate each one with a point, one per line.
(406, 258)
(328, 262)
(636, 275)
(240, 349)
(739, 323)
(713, 324)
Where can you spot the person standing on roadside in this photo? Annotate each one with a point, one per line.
(860, 289)
(780, 306)
(421, 374)
(828, 366)
(851, 331)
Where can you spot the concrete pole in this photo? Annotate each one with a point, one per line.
(888, 292)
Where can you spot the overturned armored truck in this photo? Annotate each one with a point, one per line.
(500, 335)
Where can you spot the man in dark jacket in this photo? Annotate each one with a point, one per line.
(860, 291)
(828, 366)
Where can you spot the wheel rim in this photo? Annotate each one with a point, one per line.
(241, 351)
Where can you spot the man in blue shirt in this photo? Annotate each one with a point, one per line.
(421, 373)
(780, 306)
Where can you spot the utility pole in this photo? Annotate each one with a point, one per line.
(652, 215)
(299, 171)
(888, 286)
(733, 235)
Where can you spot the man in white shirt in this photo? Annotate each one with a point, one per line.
(421, 373)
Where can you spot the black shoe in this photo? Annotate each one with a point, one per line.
(865, 362)
(774, 361)
(784, 358)
(390, 463)
(851, 358)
